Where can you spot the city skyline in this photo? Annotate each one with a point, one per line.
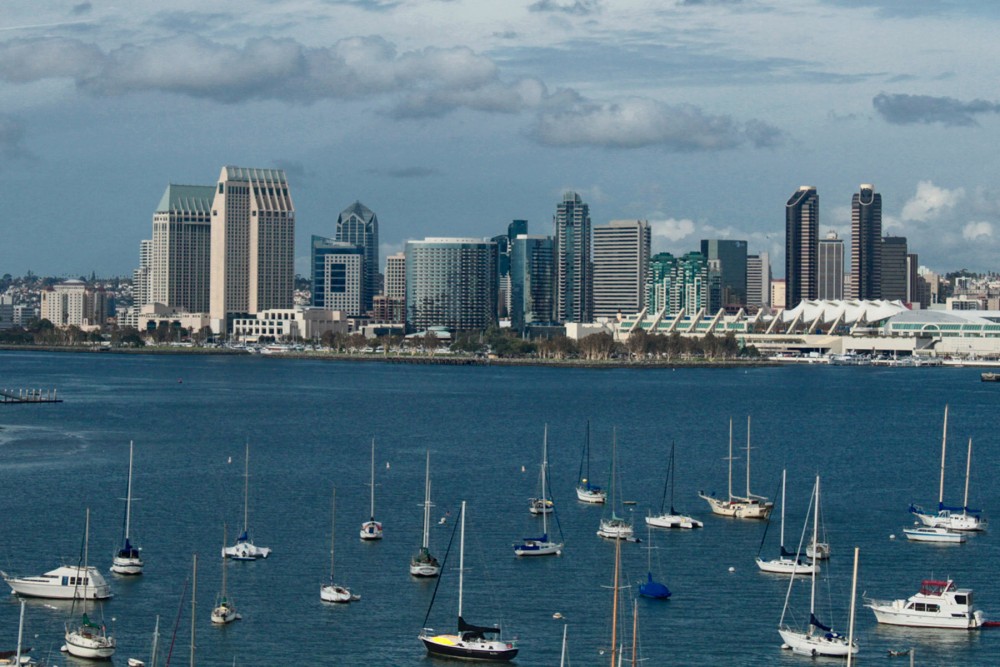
(676, 113)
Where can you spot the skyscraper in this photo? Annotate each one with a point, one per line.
(801, 240)
(758, 280)
(253, 244)
(574, 281)
(895, 278)
(866, 243)
(531, 281)
(830, 272)
(337, 275)
(683, 284)
(451, 283)
(141, 277)
(732, 260)
(357, 224)
(504, 243)
(181, 254)
(621, 267)
(391, 305)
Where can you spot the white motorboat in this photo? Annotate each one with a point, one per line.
(331, 591)
(750, 506)
(787, 562)
(818, 550)
(938, 604)
(128, 559)
(541, 546)
(955, 518)
(372, 529)
(63, 583)
(615, 527)
(816, 639)
(423, 564)
(470, 642)
(245, 549)
(585, 491)
(224, 610)
(671, 519)
(934, 534)
(88, 639)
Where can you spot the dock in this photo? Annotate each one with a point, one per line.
(29, 396)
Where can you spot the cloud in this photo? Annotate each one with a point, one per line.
(672, 229)
(577, 8)
(975, 231)
(640, 122)
(909, 109)
(11, 137)
(81, 9)
(931, 202)
(25, 60)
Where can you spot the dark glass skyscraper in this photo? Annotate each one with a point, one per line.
(866, 243)
(574, 280)
(357, 224)
(732, 259)
(531, 280)
(830, 271)
(801, 245)
(895, 278)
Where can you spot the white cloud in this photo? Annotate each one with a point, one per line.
(930, 202)
(977, 231)
(671, 229)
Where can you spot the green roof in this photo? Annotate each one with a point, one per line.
(195, 198)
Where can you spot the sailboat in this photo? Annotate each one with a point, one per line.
(372, 529)
(245, 549)
(615, 527)
(816, 639)
(671, 519)
(15, 658)
(749, 506)
(652, 588)
(87, 639)
(154, 649)
(470, 642)
(952, 518)
(423, 564)
(585, 491)
(787, 562)
(128, 560)
(333, 592)
(224, 610)
(541, 546)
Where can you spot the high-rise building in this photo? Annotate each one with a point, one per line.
(574, 280)
(779, 293)
(801, 240)
(357, 224)
(253, 244)
(895, 279)
(338, 270)
(72, 303)
(451, 283)
(621, 267)
(830, 269)
(683, 284)
(181, 255)
(759, 280)
(732, 262)
(391, 305)
(916, 288)
(504, 242)
(531, 281)
(142, 277)
(866, 243)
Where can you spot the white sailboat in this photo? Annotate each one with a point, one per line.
(749, 506)
(787, 562)
(615, 527)
(585, 491)
(541, 546)
(372, 529)
(245, 549)
(671, 519)
(423, 564)
(816, 639)
(332, 591)
(128, 559)
(224, 610)
(88, 639)
(15, 658)
(952, 518)
(470, 642)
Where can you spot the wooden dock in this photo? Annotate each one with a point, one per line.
(29, 396)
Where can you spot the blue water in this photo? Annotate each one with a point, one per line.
(872, 434)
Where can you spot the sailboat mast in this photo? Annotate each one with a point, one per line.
(730, 458)
(635, 628)
(194, 590)
(673, 477)
(154, 653)
(614, 454)
(427, 502)
(86, 553)
(783, 472)
(854, 594)
(545, 460)
(373, 481)
(944, 445)
(968, 468)
(246, 489)
(562, 654)
(20, 631)
(748, 457)
(223, 561)
(461, 561)
(333, 528)
(812, 591)
(128, 492)
(614, 604)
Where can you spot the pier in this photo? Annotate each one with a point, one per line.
(29, 396)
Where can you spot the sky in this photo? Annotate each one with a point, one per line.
(453, 117)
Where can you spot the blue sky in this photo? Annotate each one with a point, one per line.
(452, 117)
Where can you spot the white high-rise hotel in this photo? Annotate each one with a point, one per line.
(181, 249)
(253, 241)
(621, 267)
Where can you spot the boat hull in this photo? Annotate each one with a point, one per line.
(535, 548)
(371, 530)
(336, 594)
(92, 648)
(592, 496)
(831, 645)
(673, 521)
(223, 614)
(424, 570)
(58, 585)
(452, 646)
(246, 551)
(938, 536)
(127, 566)
(616, 529)
(890, 614)
(786, 566)
(739, 509)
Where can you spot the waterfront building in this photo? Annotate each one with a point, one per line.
(571, 250)
(895, 277)
(830, 269)
(801, 240)
(142, 276)
(451, 283)
(180, 254)
(866, 243)
(731, 258)
(357, 224)
(621, 267)
(683, 285)
(338, 271)
(759, 280)
(289, 324)
(71, 303)
(778, 293)
(391, 306)
(253, 244)
(532, 281)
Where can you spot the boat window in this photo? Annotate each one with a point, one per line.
(961, 599)
(65, 581)
(72, 580)
(933, 608)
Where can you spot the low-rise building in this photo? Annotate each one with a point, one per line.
(290, 324)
